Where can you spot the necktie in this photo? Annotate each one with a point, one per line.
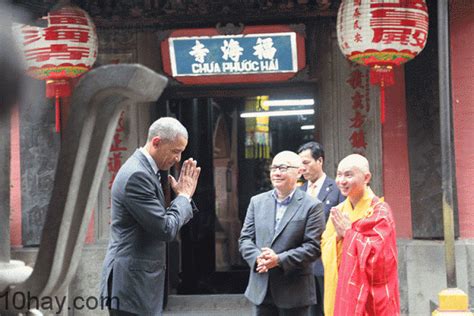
(312, 189)
(158, 176)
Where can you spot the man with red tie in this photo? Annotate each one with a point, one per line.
(324, 188)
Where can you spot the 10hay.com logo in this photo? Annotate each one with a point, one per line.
(26, 301)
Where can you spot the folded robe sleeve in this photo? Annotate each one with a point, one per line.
(368, 276)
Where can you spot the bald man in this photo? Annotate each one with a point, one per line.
(359, 250)
(280, 240)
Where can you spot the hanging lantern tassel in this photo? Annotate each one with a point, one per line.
(58, 89)
(58, 114)
(382, 75)
(382, 103)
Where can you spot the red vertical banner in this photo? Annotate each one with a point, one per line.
(358, 82)
(114, 162)
(117, 149)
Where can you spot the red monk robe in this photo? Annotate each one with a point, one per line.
(368, 276)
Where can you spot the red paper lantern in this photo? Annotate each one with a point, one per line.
(382, 34)
(64, 49)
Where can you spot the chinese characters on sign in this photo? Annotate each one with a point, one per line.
(357, 28)
(116, 150)
(358, 81)
(258, 54)
(233, 54)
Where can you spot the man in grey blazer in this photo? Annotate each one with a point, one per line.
(324, 189)
(280, 239)
(133, 272)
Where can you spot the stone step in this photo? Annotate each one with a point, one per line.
(218, 304)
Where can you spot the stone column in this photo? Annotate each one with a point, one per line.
(11, 271)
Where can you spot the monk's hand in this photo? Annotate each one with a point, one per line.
(267, 260)
(341, 222)
(188, 178)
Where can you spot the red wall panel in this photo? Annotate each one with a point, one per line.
(396, 173)
(462, 70)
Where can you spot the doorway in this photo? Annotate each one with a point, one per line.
(234, 140)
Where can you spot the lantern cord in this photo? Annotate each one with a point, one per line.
(382, 103)
(58, 115)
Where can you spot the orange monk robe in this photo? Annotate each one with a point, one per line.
(363, 280)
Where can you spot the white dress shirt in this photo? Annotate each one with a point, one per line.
(315, 187)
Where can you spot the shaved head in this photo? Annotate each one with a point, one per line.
(355, 161)
(353, 177)
(288, 158)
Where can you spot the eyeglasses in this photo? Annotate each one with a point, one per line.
(282, 168)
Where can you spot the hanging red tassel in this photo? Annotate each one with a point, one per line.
(382, 103)
(58, 115)
(58, 89)
(382, 75)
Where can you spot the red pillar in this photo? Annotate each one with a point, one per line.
(462, 69)
(396, 172)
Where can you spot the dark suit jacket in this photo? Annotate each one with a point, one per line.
(140, 228)
(296, 241)
(330, 196)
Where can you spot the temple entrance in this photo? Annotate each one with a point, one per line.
(234, 140)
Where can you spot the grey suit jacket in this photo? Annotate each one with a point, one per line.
(140, 228)
(296, 242)
(330, 196)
